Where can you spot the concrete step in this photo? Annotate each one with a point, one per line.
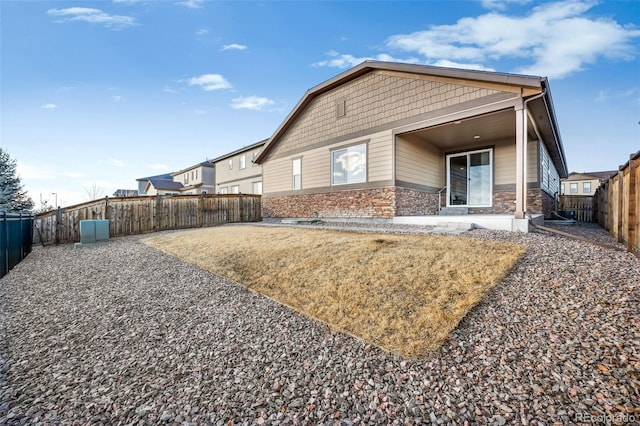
(453, 211)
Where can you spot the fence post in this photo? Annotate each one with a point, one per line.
(58, 221)
(6, 246)
(620, 204)
(631, 206)
(201, 210)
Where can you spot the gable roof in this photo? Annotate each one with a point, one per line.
(239, 151)
(592, 175)
(368, 66)
(541, 106)
(163, 176)
(207, 163)
(165, 184)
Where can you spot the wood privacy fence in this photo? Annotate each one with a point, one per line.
(618, 204)
(139, 215)
(583, 206)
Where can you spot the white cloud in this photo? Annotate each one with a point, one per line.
(234, 46)
(254, 103)
(49, 106)
(117, 99)
(341, 60)
(93, 16)
(168, 89)
(202, 31)
(38, 172)
(606, 94)
(210, 82)
(501, 4)
(115, 162)
(158, 166)
(451, 64)
(191, 4)
(127, 1)
(554, 39)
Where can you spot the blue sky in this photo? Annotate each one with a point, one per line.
(104, 92)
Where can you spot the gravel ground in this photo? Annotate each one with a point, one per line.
(125, 334)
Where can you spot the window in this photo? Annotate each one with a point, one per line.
(192, 175)
(223, 190)
(562, 189)
(235, 189)
(257, 188)
(573, 188)
(204, 192)
(349, 165)
(231, 164)
(255, 155)
(196, 174)
(586, 187)
(243, 162)
(186, 178)
(296, 172)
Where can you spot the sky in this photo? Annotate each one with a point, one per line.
(95, 94)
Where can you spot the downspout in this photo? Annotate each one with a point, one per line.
(526, 147)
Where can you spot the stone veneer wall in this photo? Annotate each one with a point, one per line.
(504, 202)
(411, 202)
(361, 203)
(385, 203)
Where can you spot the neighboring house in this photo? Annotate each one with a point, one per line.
(163, 187)
(384, 140)
(142, 182)
(125, 193)
(236, 172)
(197, 179)
(584, 184)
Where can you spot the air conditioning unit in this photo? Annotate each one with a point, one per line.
(93, 232)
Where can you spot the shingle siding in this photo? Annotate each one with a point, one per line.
(375, 99)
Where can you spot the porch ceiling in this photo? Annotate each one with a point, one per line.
(489, 127)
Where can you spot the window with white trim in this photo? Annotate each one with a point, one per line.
(349, 165)
(235, 189)
(296, 173)
(242, 162)
(230, 164)
(223, 190)
(573, 188)
(257, 187)
(586, 187)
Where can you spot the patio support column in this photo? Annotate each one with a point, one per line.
(520, 162)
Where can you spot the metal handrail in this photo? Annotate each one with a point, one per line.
(440, 196)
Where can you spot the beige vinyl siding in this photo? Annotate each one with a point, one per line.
(419, 162)
(380, 156)
(224, 175)
(316, 164)
(533, 161)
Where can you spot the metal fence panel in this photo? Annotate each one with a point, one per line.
(15, 239)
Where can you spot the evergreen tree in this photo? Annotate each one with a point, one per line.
(12, 196)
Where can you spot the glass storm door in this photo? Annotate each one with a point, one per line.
(469, 179)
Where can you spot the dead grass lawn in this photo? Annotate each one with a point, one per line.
(404, 293)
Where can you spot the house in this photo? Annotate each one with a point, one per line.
(125, 193)
(197, 179)
(163, 187)
(236, 172)
(584, 184)
(142, 182)
(390, 141)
